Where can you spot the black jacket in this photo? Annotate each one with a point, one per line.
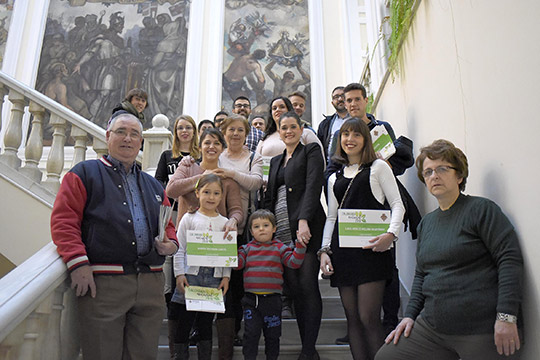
(304, 180)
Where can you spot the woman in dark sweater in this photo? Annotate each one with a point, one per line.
(466, 296)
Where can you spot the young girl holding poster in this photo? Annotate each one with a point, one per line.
(208, 190)
(360, 274)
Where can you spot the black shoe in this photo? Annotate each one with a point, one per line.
(237, 341)
(343, 340)
(286, 312)
(194, 337)
(314, 356)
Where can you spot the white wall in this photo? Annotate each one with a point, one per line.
(470, 74)
(24, 223)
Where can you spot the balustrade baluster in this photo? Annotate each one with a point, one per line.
(100, 148)
(81, 139)
(3, 92)
(34, 145)
(13, 135)
(31, 335)
(55, 161)
(52, 344)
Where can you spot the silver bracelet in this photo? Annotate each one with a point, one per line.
(512, 319)
(324, 249)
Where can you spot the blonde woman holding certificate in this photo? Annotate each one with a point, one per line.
(360, 273)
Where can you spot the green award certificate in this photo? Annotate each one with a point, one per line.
(209, 248)
(357, 227)
(266, 167)
(382, 142)
(205, 299)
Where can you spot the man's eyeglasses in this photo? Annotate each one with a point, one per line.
(440, 170)
(336, 97)
(124, 133)
(240, 106)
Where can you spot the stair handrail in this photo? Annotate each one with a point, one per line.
(48, 103)
(25, 287)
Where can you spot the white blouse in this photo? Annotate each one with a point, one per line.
(383, 186)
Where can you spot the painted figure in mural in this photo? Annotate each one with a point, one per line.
(285, 51)
(56, 88)
(287, 84)
(149, 36)
(106, 53)
(166, 75)
(242, 68)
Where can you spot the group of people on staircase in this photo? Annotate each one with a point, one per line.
(264, 180)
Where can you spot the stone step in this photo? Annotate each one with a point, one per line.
(329, 331)
(286, 352)
(333, 325)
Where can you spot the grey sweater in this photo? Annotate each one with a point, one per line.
(469, 267)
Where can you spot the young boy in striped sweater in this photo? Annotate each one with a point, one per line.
(263, 259)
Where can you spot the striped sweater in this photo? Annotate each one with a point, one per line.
(263, 264)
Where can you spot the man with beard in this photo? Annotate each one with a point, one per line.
(242, 106)
(332, 123)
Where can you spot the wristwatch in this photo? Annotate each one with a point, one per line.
(507, 318)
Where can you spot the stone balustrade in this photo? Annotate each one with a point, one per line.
(62, 122)
(36, 308)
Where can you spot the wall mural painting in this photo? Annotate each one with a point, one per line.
(95, 51)
(6, 9)
(266, 52)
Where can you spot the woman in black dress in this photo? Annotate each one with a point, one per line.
(294, 194)
(360, 274)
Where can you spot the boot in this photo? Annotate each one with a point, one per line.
(173, 326)
(204, 350)
(181, 351)
(225, 331)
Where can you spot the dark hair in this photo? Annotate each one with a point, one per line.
(136, 92)
(241, 97)
(262, 214)
(205, 121)
(214, 132)
(220, 113)
(208, 179)
(337, 88)
(444, 150)
(291, 114)
(299, 94)
(272, 127)
(355, 125)
(355, 86)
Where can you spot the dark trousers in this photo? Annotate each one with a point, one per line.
(261, 312)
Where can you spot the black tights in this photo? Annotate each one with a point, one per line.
(304, 286)
(362, 306)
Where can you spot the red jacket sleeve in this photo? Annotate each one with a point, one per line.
(66, 220)
(170, 230)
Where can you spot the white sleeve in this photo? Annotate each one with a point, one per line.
(332, 212)
(383, 186)
(180, 256)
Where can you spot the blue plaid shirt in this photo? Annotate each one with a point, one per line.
(252, 140)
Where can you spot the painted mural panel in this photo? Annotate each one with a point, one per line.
(266, 52)
(94, 52)
(6, 9)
